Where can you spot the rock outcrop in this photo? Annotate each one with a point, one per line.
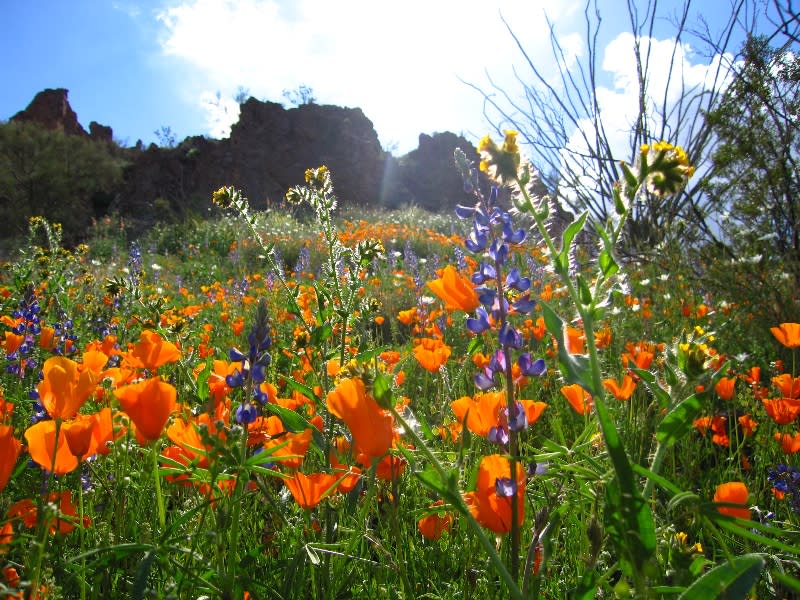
(268, 151)
(50, 109)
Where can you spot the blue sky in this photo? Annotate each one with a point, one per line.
(140, 65)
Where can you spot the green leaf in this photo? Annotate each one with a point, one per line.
(142, 573)
(584, 292)
(608, 265)
(574, 367)
(662, 395)
(293, 421)
(302, 388)
(382, 390)
(562, 260)
(475, 345)
(202, 381)
(619, 205)
(320, 334)
(679, 421)
(730, 580)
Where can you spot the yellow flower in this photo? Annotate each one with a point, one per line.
(500, 163)
(667, 166)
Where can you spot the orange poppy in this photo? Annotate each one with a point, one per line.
(149, 404)
(12, 342)
(431, 353)
(80, 435)
(481, 411)
(748, 425)
(349, 475)
(575, 339)
(789, 443)
(407, 317)
(186, 435)
(782, 410)
(293, 447)
(435, 524)
(310, 490)
(485, 411)
(9, 452)
(103, 431)
(152, 351)
(787, 334)
(389, 468)
(6, 537)
(718, 426)
(726, 387)
(50, 453)
(65, 387)
(490, 503)
(734, 492)
(455, 290)
(580, 400)
(370, 425)
(789, 387)
(46, 336)
(621, 391)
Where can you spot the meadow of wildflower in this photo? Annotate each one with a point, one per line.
(398, 406)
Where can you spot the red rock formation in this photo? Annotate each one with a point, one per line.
(51, 109)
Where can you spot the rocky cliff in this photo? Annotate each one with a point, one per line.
(267, 152)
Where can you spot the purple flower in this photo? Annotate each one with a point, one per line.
(480, 323)
(477, 240)
(524, 305)
(516, 282)
(484, 273)
(498, 435)
(484, 380)
(529, 368)
(498, 251)
(513, 237)
(510, 337)
(464, 212)
(519, 420)
(246, 413)
(505, 487)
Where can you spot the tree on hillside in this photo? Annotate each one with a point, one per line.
(756, 172)
(566, 121)
(67, 179)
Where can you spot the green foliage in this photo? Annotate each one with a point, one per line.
(755, 181)
(66, 179)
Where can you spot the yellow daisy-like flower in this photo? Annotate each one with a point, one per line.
(668, 168)
(500, 163)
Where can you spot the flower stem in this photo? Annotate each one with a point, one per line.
(454, 496)
(162, 515)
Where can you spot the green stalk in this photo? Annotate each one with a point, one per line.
(44, 520)
(81, 534)
(162, 515)
(461, 506)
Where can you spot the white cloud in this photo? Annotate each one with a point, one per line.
(400, 62)
(619, 101)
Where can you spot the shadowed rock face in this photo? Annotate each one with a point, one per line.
(268, 151)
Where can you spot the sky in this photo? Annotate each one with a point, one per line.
(140, 65)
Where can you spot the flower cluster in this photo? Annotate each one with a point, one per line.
(252, 372)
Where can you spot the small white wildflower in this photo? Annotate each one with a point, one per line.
(156, 267)
(645, 282)
(427, 300)
(664, 276)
